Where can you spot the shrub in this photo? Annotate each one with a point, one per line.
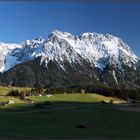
(111, 101)
(14, 93)
(103, 102)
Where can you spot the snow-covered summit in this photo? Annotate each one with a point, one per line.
(98, 49)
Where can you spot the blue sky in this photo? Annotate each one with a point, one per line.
(26, 20)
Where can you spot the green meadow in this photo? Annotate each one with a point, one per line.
(62, 118)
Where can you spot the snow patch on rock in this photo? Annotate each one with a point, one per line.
(99, 50)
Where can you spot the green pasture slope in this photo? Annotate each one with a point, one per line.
(104, 121)
(77, 97)
(5, 90)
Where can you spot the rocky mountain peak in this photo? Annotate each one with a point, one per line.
(98, 49)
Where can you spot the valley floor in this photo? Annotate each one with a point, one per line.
(77, 116)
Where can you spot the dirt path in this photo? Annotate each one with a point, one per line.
(123, 107)
(45, 110)
(135, 107)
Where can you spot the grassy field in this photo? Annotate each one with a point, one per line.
(59, 98)
(104, 121)
(77, 97)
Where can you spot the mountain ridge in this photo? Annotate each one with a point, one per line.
(97, 56)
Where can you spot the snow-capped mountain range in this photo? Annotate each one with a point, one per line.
(98, 50)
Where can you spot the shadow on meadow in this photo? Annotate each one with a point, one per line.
(68, 120)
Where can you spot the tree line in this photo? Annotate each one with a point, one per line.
(122, 93)
(22, 94)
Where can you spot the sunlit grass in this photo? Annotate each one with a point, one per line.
(77, 97)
